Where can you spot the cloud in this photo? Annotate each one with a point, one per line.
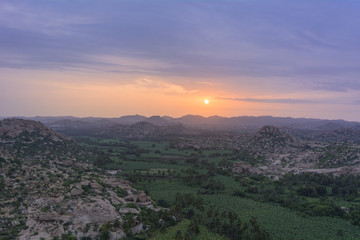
(162, 86)
(273, 100)
(205, 83)
(311, 44)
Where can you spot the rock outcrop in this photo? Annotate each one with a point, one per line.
(47, 196)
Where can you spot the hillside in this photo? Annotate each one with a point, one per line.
(49, 187)
(32, 141)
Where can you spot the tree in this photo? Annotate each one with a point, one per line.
(321, 191)
(104, 234)
(178, 235)
(2, 183)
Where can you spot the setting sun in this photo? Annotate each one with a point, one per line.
(206, 101)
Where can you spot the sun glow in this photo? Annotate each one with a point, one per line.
(206, 101)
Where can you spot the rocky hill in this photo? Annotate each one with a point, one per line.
(49, 187)
(11, 129)
(32, 141)
(269, 139)
(274, 152)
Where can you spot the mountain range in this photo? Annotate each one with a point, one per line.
(213, 123)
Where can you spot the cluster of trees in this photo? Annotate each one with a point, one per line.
(205, 181)
(308, 193)
(222, 222)
(2, 183)
(245, 156)
(320, 185)
(101, 159)
(2, 161)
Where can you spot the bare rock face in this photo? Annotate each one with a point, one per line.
(99, 211)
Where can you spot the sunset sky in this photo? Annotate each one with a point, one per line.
(112, 58)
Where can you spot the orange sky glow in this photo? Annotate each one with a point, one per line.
(82, 94)
(116, 58)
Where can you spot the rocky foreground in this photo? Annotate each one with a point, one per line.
(83, 207)
(49, 187)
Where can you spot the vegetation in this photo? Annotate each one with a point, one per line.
(202, 197)
(248, 204)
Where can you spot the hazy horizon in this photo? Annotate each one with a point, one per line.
(295, 59)
(175, 117)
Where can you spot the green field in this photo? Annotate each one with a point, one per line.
(286, 209)
(171, 233)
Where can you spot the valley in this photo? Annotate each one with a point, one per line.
(146, 181)
(282, 206)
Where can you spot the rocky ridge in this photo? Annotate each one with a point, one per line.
(54, 191)
(273, 152)
(32, 141)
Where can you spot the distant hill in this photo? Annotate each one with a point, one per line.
(248, 122)
(130, 119)
(31, 140)
(298, 126)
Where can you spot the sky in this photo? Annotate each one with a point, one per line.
(104, 58)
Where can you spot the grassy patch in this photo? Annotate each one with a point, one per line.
(182, 227)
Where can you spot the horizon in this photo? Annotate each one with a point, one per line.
(297, 59)
(176, 117)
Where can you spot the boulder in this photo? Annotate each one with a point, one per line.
(129, 198)
(100, 211)
(76, 191)
(129, 210)
(138, 228)
(117, 235)
(141, 197)
(96, 186)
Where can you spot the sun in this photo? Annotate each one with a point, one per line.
(206, 101)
